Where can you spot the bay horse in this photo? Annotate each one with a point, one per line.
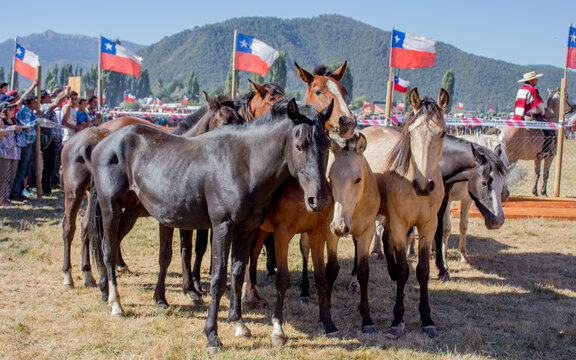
(411, 190)
(526, 144)
(76, 169)
(224, 180)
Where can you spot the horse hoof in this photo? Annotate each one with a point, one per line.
(117, 310)
(195, 298)
(444, 276)
(68, 281)
(198, 287)
(333, 334)
(369, 329)
(89, 281)
(212, 350)
(278, 340)
(122, 270)
(464, 259)
(430, 330)
(242, 331)
(304, 299)
(162, 304)
(396, 332)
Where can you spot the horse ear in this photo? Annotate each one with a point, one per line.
(335, 147)
(415, 99)
(549, 91)
(339, 73)
(498, 150)
(292, 110)
(258, 88)
(325, 114)
(361, 143)
(443, 99)
(303, 74)
(210, 101)
(477, 155)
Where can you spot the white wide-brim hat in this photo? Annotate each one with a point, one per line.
(530, 76)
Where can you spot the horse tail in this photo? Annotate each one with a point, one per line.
(95, 227)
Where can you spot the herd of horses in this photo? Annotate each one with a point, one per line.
(261, 164)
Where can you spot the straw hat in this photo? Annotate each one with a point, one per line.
(530, 76)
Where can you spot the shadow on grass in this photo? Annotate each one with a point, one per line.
(22, 215)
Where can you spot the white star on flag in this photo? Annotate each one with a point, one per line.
(397, 38)
(243, 43)
(108, 46)
(573, 37)
(18, 51)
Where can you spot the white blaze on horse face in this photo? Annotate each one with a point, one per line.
(333, 87)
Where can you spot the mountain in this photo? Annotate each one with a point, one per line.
(326, 39)
(54, 48)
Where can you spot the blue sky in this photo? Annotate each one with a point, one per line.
(537, 33)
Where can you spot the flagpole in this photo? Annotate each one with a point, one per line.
(38, 154)
(233, 85)
(561, 111)
(389, 87)
(13, 63)
(99, 85)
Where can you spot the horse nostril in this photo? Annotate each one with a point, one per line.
(312, 202)
(430, 186)
(342, 121)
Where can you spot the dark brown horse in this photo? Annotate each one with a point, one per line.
(76, 172)
(224, 180)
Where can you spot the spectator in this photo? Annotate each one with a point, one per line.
(3, 88)
(51, 138)
(20, 99)
(25, 140)
(9, 151)
(82, 115)
(94, 117)
(69, 116)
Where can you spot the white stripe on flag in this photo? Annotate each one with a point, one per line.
(31, 59)
(125, 53)
(419, 43)
(263, 51)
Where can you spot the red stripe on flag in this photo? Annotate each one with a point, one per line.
(571, 58)
(397, 87)
(24, 69)
(407, 59)
(251, 63)
(120, 64)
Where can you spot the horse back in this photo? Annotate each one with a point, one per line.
(120, 122)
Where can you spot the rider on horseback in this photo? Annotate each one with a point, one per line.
(529, 106)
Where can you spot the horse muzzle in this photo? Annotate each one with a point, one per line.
(346, 127)
(339, 227)
(494, 223)
(424, 189)
(317, 203)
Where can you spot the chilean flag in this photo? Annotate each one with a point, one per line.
(400, 106)
(25, 62)
(571, 53)
(411, 51)
(185, 99)
(157, 101)
(400, 84)
(253, 55)
(459, 106)
(117, 58)
(129, 97)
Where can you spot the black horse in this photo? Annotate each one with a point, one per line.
(224, 180)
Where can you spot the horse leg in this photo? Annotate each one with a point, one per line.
(281, 241)
(422, 274)
(440, 264)
(240, 250)
(317, 243)
(132, 212)
(164, 259)
(199, 250)
(72, 203)
(537, 164)
(545, 174)
(446, 231)
(304, 281)
(270, 257)
(362, 243)
(411, 238)
(188, 287)
(391, 261)
(220, 252)
(377, 244)
(250, 295)
(111, 209)
(398, 245)
(464, 212)
(89, 280)
(332, 265)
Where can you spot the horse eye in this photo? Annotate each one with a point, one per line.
(357, 180)
(298, 147)
(318, 92)
(484, 183)
(443, 134)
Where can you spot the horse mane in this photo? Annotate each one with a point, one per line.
(401, 155)
(241, 102)
(495, 162)
(322, 70)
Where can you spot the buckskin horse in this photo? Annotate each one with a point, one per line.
(224, 180)
(411, 190)
(526, 144)
(76, 169)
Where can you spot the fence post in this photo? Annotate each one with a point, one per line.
(560, 146)
(38, 154)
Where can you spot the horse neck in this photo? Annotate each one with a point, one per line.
(457, 160)
(270, 142)
(201, 127)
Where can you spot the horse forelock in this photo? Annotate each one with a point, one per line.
(322, 70)
(493, 159)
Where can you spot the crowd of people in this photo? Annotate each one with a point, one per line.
(18, 136)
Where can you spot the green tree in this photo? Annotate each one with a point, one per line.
(257, 78)
(448, 85)
(406, 100)
(15, 87)
(2, 73)
(277, 72)
(229, 77)
(191, 86)
(143, 85)
(347, 81)
(358, 103)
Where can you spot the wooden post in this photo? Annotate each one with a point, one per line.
(233, 86)
(99, 85)
(13, 64)
(38, 154)
(389, 88)
(560, 146)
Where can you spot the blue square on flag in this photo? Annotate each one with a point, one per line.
(398, 38)
(20, 52)
(244, 43)
(108, 46)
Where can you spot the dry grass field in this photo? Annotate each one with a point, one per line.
(516, 300)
